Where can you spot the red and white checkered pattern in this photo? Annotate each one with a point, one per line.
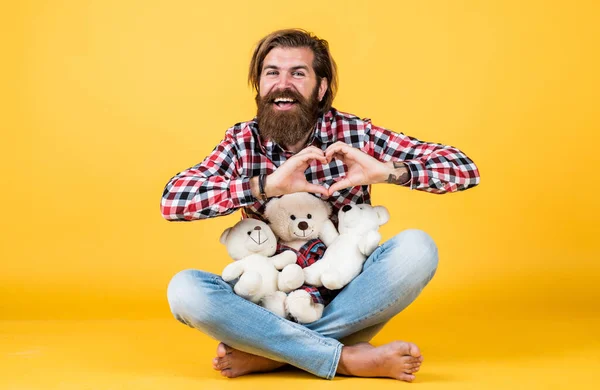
(220, 184)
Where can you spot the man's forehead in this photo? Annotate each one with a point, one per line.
(289, 57)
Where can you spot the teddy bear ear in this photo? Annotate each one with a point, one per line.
(224, 235)
(383, 214)
(271, 207)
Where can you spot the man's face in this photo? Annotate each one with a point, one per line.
(288, 98)
(289, 68)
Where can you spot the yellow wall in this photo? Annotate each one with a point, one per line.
(103, 101)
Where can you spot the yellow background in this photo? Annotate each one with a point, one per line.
(103, 102)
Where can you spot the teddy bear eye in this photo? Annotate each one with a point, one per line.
(293, 217)
(249, 233)
(309, 216)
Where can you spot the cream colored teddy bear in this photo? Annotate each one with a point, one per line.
(345, 255)
(252, 244)
(301, 222)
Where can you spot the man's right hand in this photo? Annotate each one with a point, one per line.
(290, 178)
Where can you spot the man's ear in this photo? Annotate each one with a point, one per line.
(223, 239)
(323, 88)
(382, 214)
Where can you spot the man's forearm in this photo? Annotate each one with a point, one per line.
(394, 172)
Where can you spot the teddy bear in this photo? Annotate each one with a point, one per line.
(301, 222)
(358, 237)
(263, 277)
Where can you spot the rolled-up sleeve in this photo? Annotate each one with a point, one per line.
(433, 167)
(209, 189)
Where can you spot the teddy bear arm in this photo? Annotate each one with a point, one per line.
(290, 278)
(283, 259)
(233, 270)
(328, 233)
(312, 273)
(369, 243)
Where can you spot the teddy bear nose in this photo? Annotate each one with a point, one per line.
(303, 225)
(257, 228)
(346, 208)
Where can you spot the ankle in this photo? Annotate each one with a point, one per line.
(347, 357)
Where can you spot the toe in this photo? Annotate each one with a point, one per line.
(406, 377)
(222, 350)
(215, 361)
(409, 360)
(227, 373)
(223, 363)
(413, 350)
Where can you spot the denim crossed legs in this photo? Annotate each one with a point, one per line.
(392, 278)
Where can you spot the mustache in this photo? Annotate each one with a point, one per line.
(283, 93)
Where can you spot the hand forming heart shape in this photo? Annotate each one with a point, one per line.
(362, 170)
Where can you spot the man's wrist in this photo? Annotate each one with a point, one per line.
(396, 172)
(262, 187)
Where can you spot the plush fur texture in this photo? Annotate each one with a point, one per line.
(296, 219)
(344, 258)
(252, 244)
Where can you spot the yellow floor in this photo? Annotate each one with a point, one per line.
(460, 353)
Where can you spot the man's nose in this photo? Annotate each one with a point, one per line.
(284, 81)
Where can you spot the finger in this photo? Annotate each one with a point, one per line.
(311, 148)
(339, 156)
(340, 185)
(316, 189)
(338, 148)
(312, 155)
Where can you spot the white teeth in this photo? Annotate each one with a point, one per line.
(284, 100)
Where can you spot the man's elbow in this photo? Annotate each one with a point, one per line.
(172, 213)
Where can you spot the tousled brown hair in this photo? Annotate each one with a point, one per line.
(323, 62)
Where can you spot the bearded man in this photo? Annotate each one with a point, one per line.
(299, 143)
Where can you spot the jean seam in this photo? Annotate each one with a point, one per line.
(336, 361)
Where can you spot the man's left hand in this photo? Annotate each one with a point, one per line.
(362, 168)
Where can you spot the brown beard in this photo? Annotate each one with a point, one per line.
(288, 127)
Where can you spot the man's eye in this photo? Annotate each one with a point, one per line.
(299, 74)
(271, 73)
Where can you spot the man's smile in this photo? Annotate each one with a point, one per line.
(284, 103)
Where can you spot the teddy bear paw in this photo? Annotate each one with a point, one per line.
(300, 306)
(312, 276)
(332, 281)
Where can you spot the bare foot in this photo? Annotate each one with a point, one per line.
(233, 363)
(398, 360)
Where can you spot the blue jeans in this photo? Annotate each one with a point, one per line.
(393, 276)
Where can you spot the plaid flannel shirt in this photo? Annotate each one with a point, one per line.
(311, 252)
(220, 184)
